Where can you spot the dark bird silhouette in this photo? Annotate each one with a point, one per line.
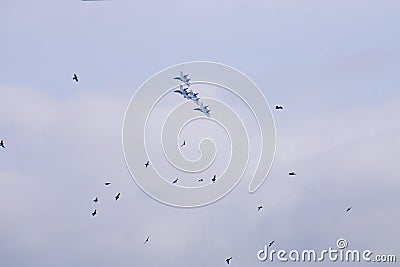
(292, 173)
(75, 78)
(228, 260)
(2, 144)
(147, 164)
(348, 209)
(278, 107)
(94, 212)
(176, 180)
(117, 196)
(214, 178)
(201, 180)
(184, 143)
(107, 183)
(95, 200)
(270, 243)
(259, 207)
(147, 240)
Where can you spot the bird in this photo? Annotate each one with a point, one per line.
(95, 200)
(75, 78)
(147, 240)
(176, 180)
(107, 183)
(348, 209)
(183, 144)
(182, 90)
(228, 260)
(270, 243)
(259, 207)
(117, 196)
(94, 212)
(278, 107)
(214, 178)
(147, 164)
(2, 144)
(292, 173)
(201, 180)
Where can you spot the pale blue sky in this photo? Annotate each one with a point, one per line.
(333, 65)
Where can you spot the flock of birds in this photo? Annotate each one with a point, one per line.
(190, 95)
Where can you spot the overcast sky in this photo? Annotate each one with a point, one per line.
(333, 65)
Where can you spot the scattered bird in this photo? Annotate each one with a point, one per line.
(214, 178)
(117, 196)
(292, 173)
(203, 109)
(348, 209)
(201, 180)
(107, 183)
(270, 243)
(75, 78)
(183, 144)
(182, 90)
(259, 207)
(147, 164)
(94, 212)
(183, 78)
(228, 260)
(175, 181)
(278, 107)
(95, 200)
(2, 144)
(147, 240)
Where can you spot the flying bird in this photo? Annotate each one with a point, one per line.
(107, 183)
(95, 200)
(2, 144)
(259, 207)
(147, 240)
(175, 181)
(183, 78)
(75, 78)
(228, 260)
(348, 209)
(203, 109)
(117, 196)
(270, 243)
(147, 164)
(182, 90)
(183, 144)
(214, 178)
(278, 107)
(94, 212)
(292, 173)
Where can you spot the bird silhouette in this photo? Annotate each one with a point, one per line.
(117, 196)
(95, 200)
(348, 209)
(147, 164)
(184, 143)
(75, 78)
(94, 212)
(107, 183)
(228, 260)
(278, 107)
(292, 173)
(147, 240)
(214, 178)
(2, 144)
(259, 207)
(176, 180)
(270, 243)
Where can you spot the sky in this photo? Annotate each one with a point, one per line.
(333, 65)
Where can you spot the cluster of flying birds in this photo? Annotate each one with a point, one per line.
(189, 95)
